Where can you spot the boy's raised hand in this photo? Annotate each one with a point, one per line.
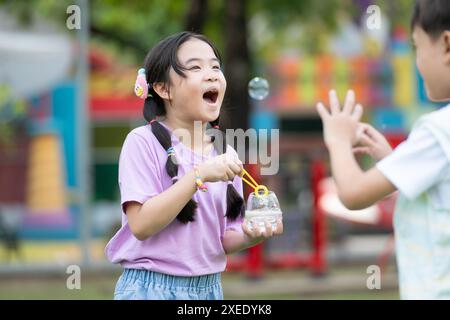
(372, 142)
(340, 125)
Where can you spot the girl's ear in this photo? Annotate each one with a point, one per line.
(162, 90)
(446, 38)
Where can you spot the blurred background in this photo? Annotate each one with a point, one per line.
(67, 72)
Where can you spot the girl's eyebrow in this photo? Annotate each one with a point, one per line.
(198, 59)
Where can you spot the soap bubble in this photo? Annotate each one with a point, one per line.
(258, 88)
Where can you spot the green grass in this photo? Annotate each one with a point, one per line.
(102, 288)
(56, 289)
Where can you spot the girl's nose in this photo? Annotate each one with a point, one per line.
(211, 77)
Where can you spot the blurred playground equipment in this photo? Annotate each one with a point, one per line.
(39, 95)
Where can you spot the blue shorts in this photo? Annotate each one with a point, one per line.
(136, 284)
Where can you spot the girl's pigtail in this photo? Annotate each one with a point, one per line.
(163, 136)
(235, 203)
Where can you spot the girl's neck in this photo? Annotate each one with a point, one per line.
(195, 129)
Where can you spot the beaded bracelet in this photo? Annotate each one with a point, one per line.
(198, 180)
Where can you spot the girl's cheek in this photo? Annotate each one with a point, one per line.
(224, 81)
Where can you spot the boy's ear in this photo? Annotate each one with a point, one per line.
(446, 38)
(162, 90)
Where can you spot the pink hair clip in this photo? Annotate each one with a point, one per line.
(141, 86)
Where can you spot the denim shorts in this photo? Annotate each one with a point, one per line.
(136, 284)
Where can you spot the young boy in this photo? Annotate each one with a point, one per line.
(419, 168)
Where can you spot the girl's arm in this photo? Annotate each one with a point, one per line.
(157, 212)
(234, 241)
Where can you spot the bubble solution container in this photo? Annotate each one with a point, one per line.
(261, 209)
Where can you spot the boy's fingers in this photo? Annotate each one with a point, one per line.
(357, 112)
(361, 150)
(364, 125)
(349, 102)
(370, 131)
(359, 130)
(373, 133)
(323, 112)
(366, 141)
(334, 102)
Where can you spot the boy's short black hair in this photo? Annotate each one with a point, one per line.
(433, 16)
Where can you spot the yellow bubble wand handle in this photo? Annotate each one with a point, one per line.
(257, 187)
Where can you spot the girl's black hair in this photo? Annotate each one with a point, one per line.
(433, 16)
(157, 65)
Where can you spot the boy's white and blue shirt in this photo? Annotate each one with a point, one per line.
(420, 169)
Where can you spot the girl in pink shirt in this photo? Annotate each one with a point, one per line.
(182, 201)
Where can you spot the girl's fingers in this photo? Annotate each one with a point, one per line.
(256, 232)
(268, 232)
(349, 102)
(230, 174)
(239, 163)
(246, 230)
(235, 168)
(279, 229)
(224, 159)
(334, 102)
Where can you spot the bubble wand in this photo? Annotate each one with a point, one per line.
(257, 187)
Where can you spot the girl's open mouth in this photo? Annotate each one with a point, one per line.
(211, 95)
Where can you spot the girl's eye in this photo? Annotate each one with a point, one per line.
(216, 67)
(194, 68)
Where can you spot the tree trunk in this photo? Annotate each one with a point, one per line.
(196, 15)
(237, 65)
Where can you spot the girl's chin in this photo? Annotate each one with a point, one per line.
(211, 115)
(209, 119)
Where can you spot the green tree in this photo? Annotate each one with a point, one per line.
(132, 27)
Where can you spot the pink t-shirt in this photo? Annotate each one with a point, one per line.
(179, 249)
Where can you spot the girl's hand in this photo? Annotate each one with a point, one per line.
(220, 168)
(372, 143)
(255, 235)
(340, 125)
